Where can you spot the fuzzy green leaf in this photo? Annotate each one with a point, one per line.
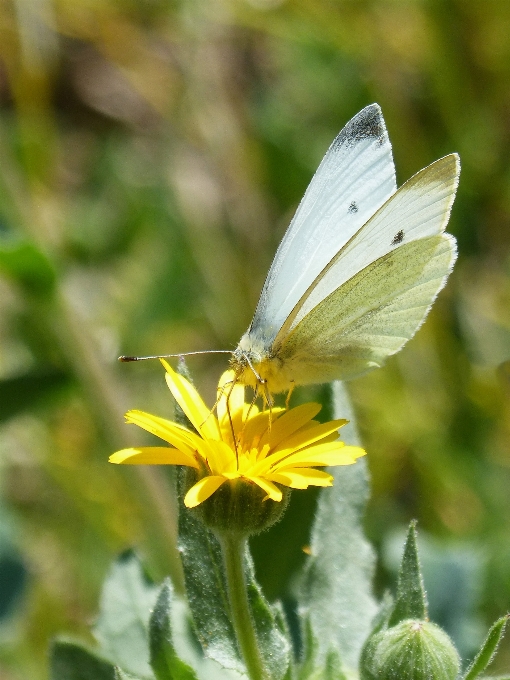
(163, 657)
(122, 627)
(488, 649)
(73, 661)
(411, 602)
(204, 576)
(311, 668)
(273, 642)
(121, 675)
(206, 590)
(336, 589)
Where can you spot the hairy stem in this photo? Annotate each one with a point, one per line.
(233, 547)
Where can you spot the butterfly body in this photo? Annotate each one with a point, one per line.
(358, 268)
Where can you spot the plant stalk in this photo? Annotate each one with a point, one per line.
(233, 547)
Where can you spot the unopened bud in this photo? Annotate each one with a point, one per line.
(411, 650)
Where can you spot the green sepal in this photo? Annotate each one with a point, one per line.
(163, 657)
(411, 602)
(122, 628)
(488, 649)
(73, 661)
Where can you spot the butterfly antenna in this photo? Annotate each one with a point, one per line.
(125, 359)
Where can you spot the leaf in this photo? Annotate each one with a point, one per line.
(311, 668)
(163, 657)
(122, 627)
(25, 264)
(488, 649)
(411, 602)
(336, 587)
(121, 675)
(206, 590)
(269, 627)
(72, 661)
(208, 600)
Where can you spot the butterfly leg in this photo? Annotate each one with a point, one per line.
(289, 394)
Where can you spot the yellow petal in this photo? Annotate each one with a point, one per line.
(230, 401)
(201, 491)
(153, 455)
(203, 420)
(355, 451)
(289, 422)
(304, 438)
(221, 457)
(333, 453)
(302, 479)
(271, 489)
(250, 411)
(257, 425)
(172, 433)
(325, 460)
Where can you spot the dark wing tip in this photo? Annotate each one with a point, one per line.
(367, 124)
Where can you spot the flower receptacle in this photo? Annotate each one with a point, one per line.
(238, 506)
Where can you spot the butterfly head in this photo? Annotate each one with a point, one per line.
(257, 365)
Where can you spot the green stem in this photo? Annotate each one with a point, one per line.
(233, 546)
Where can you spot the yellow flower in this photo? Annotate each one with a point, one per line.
(267, 448)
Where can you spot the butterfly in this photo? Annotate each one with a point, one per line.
(358, 268)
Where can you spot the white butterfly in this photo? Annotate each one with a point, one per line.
(358, 268)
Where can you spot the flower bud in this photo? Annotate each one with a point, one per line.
(411, 650)
(238, 506)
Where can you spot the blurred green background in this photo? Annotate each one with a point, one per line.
(151, 155)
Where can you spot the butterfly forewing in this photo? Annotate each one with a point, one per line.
(355, 178)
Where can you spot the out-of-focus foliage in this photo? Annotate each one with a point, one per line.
(151, 155)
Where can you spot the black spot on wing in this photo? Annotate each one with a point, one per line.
(353, 208)
(367, 124)
(398, 238)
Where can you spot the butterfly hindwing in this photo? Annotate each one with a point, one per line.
(371, 316)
